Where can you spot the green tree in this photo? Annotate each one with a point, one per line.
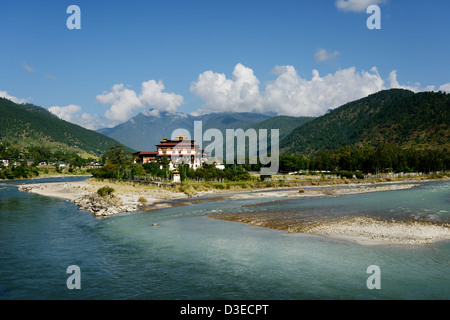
(117, 155)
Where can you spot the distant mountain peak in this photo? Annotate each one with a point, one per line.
(146, 129)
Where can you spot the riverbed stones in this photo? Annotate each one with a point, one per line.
(104, 206)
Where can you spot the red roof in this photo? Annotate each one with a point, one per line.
(170, 143)
(173, 144)
(179, 140)
(146, 153)
(178, 155)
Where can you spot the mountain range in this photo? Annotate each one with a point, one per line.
(145, 130)
(396, 116)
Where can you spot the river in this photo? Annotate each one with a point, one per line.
(190, 256)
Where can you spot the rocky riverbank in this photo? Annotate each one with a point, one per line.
(127, 197)
(130, 197)
(105, 206)
(366, 230)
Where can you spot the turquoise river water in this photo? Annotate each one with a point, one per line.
(190, 256)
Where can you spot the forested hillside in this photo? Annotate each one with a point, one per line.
(286, 124)
(27, 125)
(400, 117)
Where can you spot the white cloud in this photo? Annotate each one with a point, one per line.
(289, 93)
(152, 95)
(445, 87)
(151, 113)
(66, 113)
(71, 114)
(293, 95)
(234, 95)
(4, 94)
(356, 5)
(91, 122)
(392, 80)
(124, 102)
(323, 55)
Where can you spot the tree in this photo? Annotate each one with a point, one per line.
(117, 155)
(164, 162)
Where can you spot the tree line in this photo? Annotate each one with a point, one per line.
(23, 162)
(120, 164)
(370, 159)
(346, 161)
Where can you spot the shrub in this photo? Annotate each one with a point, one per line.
(142, 199)
(105, 191)
(345, 174)
(359, 175)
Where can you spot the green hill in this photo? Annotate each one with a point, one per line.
(396, 116)
(25, 125)
(286, 124)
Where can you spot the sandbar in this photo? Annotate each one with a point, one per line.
(359, 229)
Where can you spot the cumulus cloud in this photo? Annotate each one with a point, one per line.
(4, 94)
(356, 5)
(234, 95)
(293, 95)
(71, 113)
(289, 93)
(90, 122)
(393, 83)
(66, 112)
(124, 102)
(152, 95)
(323, 55)
(445, 87)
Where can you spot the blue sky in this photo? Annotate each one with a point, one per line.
(286, 57)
